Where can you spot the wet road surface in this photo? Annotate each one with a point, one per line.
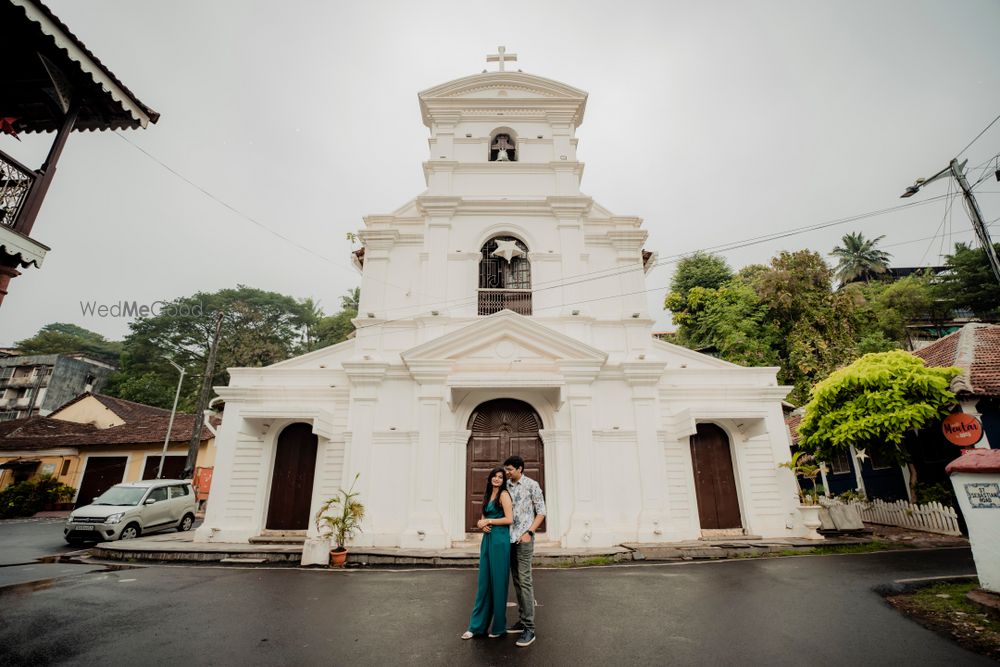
(806, 610)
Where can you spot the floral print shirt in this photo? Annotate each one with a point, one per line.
(528, 502)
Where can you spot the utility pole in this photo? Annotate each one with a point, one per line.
(977, 218)
(957, 170)
(206, 389)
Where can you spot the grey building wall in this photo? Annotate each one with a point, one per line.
(69, 378)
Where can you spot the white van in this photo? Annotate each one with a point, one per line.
(126, 511)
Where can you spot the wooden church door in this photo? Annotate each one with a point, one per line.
(714, 482)
(500, 428)
(292, 480)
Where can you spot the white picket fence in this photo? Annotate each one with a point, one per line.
(931, 518)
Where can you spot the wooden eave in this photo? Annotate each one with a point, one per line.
(45, 65)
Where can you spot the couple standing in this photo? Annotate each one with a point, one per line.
(513, 508)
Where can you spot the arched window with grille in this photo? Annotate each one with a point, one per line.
(504, 276)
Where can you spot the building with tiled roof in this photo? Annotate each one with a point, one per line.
(95, 441)
(975, 348)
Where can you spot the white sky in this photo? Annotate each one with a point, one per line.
(714, 121)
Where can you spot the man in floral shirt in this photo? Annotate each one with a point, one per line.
(529, 512)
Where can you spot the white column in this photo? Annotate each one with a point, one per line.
(365, 377)
(425, 527)
(586, 522)
(652, 520)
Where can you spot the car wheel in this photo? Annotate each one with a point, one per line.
(186, 523)
(130, 532)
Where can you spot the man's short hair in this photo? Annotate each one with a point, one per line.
(514, 461)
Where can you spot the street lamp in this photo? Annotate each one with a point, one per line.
(173, 412)
(957, 169)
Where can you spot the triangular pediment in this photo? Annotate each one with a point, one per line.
(505, 341)
(495, 93)
(517, 85)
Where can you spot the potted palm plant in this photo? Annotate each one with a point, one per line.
(338, 519)
(805, 465)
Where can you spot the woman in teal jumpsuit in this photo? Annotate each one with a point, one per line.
(494, 559)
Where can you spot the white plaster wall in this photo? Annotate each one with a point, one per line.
(984, 529)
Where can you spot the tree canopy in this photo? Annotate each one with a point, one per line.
(873, 403)
(969, 283)
(784, 314)
(259, 328)
(61, 338)
(699, 270)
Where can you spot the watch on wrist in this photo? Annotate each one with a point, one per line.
(531, 532)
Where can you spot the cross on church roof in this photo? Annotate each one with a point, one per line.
(501, 56)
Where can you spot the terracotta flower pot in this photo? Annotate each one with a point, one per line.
(338, 557)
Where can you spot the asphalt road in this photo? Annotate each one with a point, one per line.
(788, 611)
(26, 540)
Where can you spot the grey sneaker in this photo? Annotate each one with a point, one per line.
(526, 638)
(516, 629)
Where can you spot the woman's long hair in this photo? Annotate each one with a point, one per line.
(489, 487)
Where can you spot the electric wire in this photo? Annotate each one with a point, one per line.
(978, 135)
(567, 281)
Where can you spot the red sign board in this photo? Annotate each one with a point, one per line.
(962, 429)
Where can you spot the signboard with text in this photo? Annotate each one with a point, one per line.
(962, 429)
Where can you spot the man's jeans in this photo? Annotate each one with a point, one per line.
(520, 572)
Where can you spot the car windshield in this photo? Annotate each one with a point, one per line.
(121, 495)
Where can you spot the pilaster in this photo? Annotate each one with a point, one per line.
(366, 377)
(643, 378)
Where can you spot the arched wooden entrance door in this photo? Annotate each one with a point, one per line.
(292, 481)
(500, 428)
(714, 482)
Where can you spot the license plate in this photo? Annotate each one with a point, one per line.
(83, 527)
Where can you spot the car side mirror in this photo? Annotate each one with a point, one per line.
(150, 501)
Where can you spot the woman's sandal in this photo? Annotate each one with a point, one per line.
(468, 635)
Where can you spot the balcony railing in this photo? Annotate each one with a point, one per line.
(494, 300)
(15, 184)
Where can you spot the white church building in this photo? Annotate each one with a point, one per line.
(502, 312)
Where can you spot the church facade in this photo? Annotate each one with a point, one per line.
(503, 311)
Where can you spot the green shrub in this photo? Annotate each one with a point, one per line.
(26, 498)
(935, 493)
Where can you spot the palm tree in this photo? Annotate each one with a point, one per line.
(859, 258)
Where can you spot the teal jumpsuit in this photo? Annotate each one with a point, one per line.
(494, 572)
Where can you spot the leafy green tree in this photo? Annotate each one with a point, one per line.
(882, 310)
(784, 314)
(969, 282)
(873, 403)
(61, 338)
(259, 328)
(813, 322)
(859, 258)
(733, 321)
(699, 270)
(337, 328)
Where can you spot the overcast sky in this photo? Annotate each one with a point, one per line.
(714, 121)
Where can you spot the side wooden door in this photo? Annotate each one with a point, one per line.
(292, 480)
(714, 481)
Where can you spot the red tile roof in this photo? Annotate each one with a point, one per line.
(128, 411)
(792, 420)
(35, 433)
(976, 349)
(38, 433)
